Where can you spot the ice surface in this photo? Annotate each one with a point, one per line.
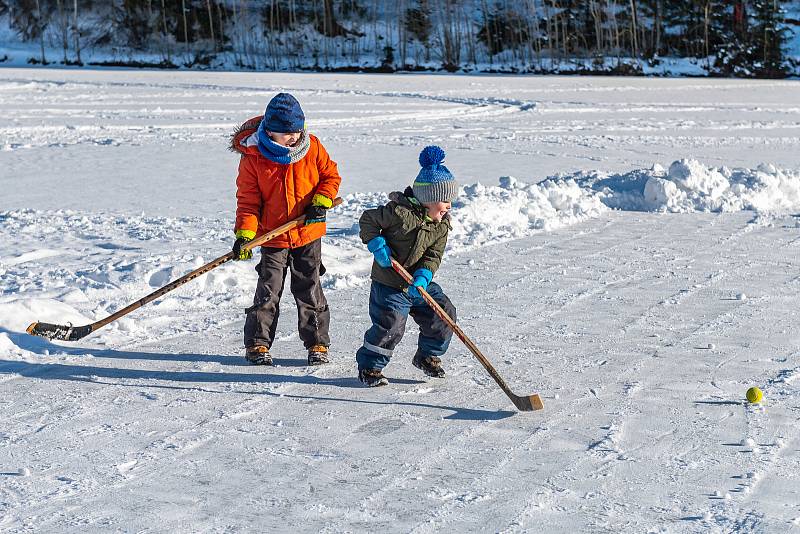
(619, 246)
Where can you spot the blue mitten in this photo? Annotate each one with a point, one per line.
(422, 277)
(379, 249)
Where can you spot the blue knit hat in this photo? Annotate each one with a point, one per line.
(284, 115)
(434, 183)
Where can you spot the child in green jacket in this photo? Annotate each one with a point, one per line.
(412, 228)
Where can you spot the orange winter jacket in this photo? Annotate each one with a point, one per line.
(269, 194)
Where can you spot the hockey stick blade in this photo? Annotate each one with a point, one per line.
(59, 331)
(528, 404)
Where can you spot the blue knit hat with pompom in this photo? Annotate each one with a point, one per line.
(434, 183)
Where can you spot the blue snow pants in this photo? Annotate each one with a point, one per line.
(389, 308)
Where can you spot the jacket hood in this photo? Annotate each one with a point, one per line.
(401, 198)
(240, 135)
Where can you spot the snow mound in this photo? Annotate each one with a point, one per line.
(484, 215)
(690, 186)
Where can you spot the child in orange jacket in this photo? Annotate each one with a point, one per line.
(284, 172)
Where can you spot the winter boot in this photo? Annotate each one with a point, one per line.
(430, 365)
(318, 355)
(372, 377)
(258, 355)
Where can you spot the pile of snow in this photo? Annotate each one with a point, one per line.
(485, 215)
(690, 186)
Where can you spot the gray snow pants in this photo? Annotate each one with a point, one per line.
(313, 314)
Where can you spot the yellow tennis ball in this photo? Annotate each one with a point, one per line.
(754, 395)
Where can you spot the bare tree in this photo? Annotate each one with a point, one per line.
(76, 32)
(330, 27)
(40, 22)
(63, 28)
(165, 31)
(211, 24)
(185, 25)
(471, 40)
(706, 23)
(634, 30)
(657, 28)
(449, 37)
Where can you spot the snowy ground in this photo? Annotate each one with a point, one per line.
(641, 289)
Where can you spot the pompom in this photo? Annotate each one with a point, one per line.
(430, 156)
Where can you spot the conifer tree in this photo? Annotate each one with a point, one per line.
(768, 37)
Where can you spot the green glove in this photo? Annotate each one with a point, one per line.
(316, 212)
(242, 237)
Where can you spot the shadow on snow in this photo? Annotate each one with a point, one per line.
(95, 374)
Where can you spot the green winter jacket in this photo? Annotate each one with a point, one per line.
(415, 241)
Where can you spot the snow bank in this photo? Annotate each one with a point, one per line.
(486, 215)
(690, 186)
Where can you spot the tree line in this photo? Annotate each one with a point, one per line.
(725, 37)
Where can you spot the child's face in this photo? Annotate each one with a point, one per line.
(437, 210)
(285, 139)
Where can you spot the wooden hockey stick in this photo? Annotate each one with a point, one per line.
(74, 333)
(523, 404)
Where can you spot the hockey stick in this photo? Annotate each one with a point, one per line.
(74, 333)
(523, 404)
